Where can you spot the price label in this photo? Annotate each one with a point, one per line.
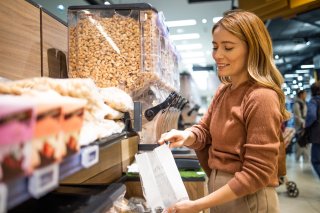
(44, 180)
(3, 197)
(90, 156)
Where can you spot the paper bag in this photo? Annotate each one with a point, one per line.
(160, 178)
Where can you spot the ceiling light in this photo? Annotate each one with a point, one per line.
(276, 56)
(192, 54)
(294, 82)
(60, 7)
(307, 66)
(204, 20)
(308, 43)
(185, 36)
(300, 78)
(302, 71)
(181, 23)
(194, 61)
(179, 30)
(279, 61)
(189, 46)
(216, 19)
(291, 75)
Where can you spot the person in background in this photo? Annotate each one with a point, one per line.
(313, 122)
(300, 112)
(237, 140)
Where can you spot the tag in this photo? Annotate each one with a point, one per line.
(44, 180)
(3, 197)
(90, 156)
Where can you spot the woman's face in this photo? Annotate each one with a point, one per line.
(230, 54)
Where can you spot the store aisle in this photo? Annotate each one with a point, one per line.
(308, 184)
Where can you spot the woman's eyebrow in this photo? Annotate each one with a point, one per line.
(224, 42)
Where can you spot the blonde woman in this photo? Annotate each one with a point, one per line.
(237, 140)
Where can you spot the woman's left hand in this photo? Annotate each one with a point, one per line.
(186, 206)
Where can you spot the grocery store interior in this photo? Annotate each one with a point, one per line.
(86, 85)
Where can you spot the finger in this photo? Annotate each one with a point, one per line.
(168, 136)
(175, 144)
(162, 139)
(171, 210)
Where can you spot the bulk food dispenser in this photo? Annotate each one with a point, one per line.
(125, 46)
(119, 45)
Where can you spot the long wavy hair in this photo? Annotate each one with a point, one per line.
(261, 67)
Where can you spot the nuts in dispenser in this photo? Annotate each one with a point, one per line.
(116, 45)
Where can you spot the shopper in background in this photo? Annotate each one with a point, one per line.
(237, 140)
(300, 112)
(313, 122)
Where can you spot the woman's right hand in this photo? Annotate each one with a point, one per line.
(177, 138)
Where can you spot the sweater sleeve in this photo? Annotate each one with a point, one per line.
(202, 129)
(262, 117)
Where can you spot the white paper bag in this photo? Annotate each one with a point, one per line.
(160, 178)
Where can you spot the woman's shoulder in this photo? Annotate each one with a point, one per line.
(261, 93)
(258, 90)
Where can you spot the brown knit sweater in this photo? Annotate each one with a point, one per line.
(243, 127)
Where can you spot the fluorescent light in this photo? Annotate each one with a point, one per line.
(107, 3)
(216, 19)
(60, 7)
(294, 81)
(193, 54)
(300, 78)
(291, 75)
(194, 61)
(180, 30)
(279, 61)
(185, 36)
(189, 46)
(307, 66)
(181, 23)
(302, 71)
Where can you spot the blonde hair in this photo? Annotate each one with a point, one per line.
(261, 68)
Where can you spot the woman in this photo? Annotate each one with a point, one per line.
(239, 134)
(313, 123)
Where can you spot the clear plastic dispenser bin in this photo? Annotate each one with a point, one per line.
(115, 45)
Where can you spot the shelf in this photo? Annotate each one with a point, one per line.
(47, 179)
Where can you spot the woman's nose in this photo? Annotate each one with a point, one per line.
(216, 54)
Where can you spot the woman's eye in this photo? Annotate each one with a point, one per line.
(214, 48)
(228, 48)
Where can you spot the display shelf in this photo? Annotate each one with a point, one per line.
(80, 199)
(24, 188)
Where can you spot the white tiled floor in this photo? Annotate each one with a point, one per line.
(308, 184)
